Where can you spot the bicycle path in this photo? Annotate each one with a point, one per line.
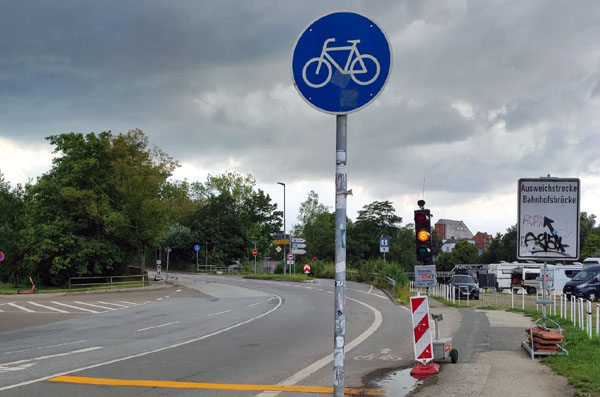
(491, 361)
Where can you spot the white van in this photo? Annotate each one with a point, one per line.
(591, 262)
(562, 274)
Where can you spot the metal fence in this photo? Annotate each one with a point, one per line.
(580, 312)
(107, 281)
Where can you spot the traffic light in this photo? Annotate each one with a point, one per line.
(423, 235)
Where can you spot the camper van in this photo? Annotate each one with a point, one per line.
(563, 274)
(529, 277)
(503, 272)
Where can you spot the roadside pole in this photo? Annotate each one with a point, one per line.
(341, 186)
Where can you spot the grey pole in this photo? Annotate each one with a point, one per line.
(168, 251)
(285, 245)
(206, 256)
(197, 266)
(341, 187)
(255, 258)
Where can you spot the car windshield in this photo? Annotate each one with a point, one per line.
(463, 279)
(584, 275)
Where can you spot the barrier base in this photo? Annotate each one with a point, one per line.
(422, 371)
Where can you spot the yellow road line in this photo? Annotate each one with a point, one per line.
(213, 386)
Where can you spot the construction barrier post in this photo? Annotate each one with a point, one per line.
(589, 319)
(522, 299)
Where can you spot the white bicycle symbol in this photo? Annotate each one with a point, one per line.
(355, 64)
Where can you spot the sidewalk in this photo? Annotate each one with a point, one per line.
(491, 361)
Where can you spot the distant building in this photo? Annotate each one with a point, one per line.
(457, 230)
(482, 241)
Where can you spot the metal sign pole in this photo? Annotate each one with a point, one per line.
(341, 186)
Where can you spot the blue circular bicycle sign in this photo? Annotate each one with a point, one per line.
(341, 62)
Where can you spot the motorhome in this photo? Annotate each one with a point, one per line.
(502, 271)
(529, 277)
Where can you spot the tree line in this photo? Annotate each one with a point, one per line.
(109, 202)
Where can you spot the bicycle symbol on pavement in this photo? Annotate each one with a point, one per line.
(385, 356)
(357, 65)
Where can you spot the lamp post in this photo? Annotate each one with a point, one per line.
(284, 247)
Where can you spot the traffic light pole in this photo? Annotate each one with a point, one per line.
(341, 187)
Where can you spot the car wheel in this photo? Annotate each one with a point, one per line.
(591, 296)
(531, 290)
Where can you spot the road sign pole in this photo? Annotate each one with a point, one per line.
(197, 266)
(341, 187)
(255, 258)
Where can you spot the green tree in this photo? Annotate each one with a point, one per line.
(464, 253)
(375, 220)
(586, 227)
(508, 244)
(591, 247)
(139, 177)
(12, 203)
(66, 233)
(493, 253)
(308, 211)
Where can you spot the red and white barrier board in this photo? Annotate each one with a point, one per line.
(419, 307)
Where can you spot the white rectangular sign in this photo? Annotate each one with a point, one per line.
(425, 276)
(298, 240)
(298, 251)
(548, 223)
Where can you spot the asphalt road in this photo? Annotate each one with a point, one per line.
(222, 334)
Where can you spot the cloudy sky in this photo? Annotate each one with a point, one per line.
(482, 93)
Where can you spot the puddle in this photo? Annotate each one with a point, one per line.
(397, 382)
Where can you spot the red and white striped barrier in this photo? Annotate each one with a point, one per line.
(419, 306)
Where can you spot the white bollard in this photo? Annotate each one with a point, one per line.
(512, 299)
(573, 311)
(522, 299)
(589, 319)
(597, 321)
(581, 318)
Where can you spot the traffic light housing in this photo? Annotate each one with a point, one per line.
(423, 236)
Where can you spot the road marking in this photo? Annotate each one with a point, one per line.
(178, 290)
(45, 347)
(24, 364)
(314, 367)
(92, 305)
(214, 314)
(254, 304)
(21, 307)
(329, 292)
(130, 303)
(159, 299)
(212, 386)
(114, 304)
(147, 352)
(48, 307)
(370, 289)
(158, 326)
(75, 307)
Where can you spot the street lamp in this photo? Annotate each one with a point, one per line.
(284, 247)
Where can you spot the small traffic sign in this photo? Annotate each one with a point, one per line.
(306, 268)
(314, 259)
(196, 247)
(1, 256)
(278, 249)
(341, 62)
(290, 257)
(298, 251)
(281, 241)
(384, 244)
(298, 245)
(254, 252)
(280, 237)
(298, 240)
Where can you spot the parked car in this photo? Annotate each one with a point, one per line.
(591, 262)
(464, 286)
(585, 284)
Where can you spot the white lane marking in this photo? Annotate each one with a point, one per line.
(314, 367)
(5, 366)
(214, 314)
(146, 352)
(365, 292)
(309, 287)
(114, 304)
(320, 289)
(405, 308)
(159, 299)
(92, 305)
(254, 304)
(75, 307)
(21, 307)
(329, 292)
(158, 326)
(370, 289)
(178, 290)
(48, 307)
(46, 347)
